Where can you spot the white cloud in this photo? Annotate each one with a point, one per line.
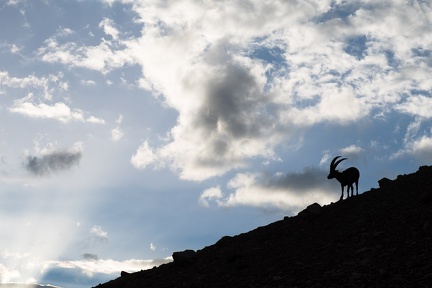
(8, 254)
(59, 111)
(421, 149)
(12, 2)
(108, 26)
(47, 85)
(116, 134)
(417, 105)
(119, 119)
(106, 266)
(108, 2)
(152, 247)
(8, 275)
(213, 193)
(324, 160)
(143, 156)
(352, 150)
(103, 57)
(88, 82)
(98, 232)
(95, 120)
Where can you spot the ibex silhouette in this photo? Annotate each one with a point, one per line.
(345, 178)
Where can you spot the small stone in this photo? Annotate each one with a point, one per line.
(362, 250)
(277, 278)
(356, 275)
(426, 226)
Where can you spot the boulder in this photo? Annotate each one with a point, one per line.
(184, 258)
(311, 210)
(384, 182)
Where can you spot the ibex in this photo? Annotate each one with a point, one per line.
(345, 178)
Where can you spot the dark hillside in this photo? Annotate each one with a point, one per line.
(381, 238)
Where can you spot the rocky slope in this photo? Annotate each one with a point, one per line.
(381, 238)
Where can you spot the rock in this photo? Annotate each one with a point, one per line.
(425, 170)
(277, 278)
(184, 258)
(362, 250)
(124, 273)
(312, 210)
(426, 226)
(224, 240)
(384, 182)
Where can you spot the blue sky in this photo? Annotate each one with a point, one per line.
(134, 129)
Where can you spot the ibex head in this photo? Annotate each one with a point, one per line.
(333, 164)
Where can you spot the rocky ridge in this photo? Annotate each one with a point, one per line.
(381, 238)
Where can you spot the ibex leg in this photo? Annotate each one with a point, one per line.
(342, 193)
(350, 187)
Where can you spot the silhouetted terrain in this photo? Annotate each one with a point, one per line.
(381, 238)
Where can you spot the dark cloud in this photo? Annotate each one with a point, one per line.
(89, 256)
(310, 178)
(53, 162)
(235, 102)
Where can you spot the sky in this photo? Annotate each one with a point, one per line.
(133, 129)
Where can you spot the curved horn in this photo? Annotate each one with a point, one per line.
(334, 163)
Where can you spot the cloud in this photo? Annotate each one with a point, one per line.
(152, 247)
(88, 82)
(106, 266)
(7, 254)
(89, 256)
(246, 85)
(116, 134)
(95, 120)
(287, 192)
(8, 275)
(53, 161)
(143, 156)
(103, 57)
(353, 151)
(99, 233)
(325, 159)
(417, 105)
(45, 86)
(12, 2)
(108, 26)
(213, 193)
(59, 111)
(421, 149)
